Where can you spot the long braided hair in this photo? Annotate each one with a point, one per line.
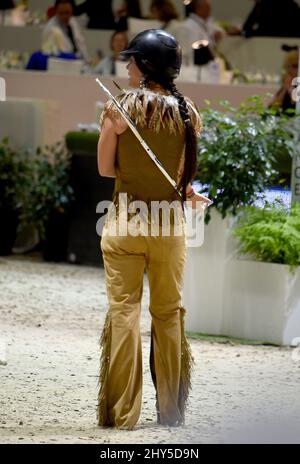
(190, 158)
(190, 162)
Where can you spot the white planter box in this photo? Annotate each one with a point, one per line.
(245, 299)
(204, 278)
(262, 302)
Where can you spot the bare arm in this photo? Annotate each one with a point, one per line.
(107, 147)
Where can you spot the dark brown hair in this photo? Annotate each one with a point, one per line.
(190, 163)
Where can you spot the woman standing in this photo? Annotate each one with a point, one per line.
(170, 124)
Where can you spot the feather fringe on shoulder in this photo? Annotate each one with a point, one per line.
(152, 110)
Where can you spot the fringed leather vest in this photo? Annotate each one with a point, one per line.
(159, 122)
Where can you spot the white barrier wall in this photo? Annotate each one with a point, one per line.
(65, 91)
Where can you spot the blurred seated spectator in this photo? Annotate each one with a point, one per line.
(107, 66)
(201, 25)
(129, 9)
(19, 15)
(100, 13)
(73, 41)
(283, 99)
(165, 12)
(52, 46)
(273, 19)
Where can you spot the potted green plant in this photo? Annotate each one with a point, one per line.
(270, 234)
(48, 198)
(262, 291)
(14, 175)
(241, 152)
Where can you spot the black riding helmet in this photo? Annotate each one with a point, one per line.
(157, 54)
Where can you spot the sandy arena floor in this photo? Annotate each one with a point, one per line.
(51, 317)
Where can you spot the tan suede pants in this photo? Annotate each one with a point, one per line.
(126, 258)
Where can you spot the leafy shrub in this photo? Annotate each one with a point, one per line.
(50, 190)
(14, 176)
(238, 150)
(271, 234)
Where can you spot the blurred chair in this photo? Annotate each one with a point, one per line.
(136, 25)
(188, 74)
(59, 66)
(121, 68)
(2, 89)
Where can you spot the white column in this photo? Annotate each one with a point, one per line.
(2, 89)
(298, 87)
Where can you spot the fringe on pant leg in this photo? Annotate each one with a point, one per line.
(153, 374)
(187, 365)
(105, 345)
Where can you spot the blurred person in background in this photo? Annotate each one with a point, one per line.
(52, 46)
(200, 25)
(283, 100)
(273, 19)
(99, 12)
(129, 9)
(165, 12)
(73, 41)
(107, 66)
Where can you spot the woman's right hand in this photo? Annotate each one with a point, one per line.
(199, 201)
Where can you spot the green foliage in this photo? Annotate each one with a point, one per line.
(35, 184)
(14, 173)
(49, 189)
(238, 150)
(271, 234)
